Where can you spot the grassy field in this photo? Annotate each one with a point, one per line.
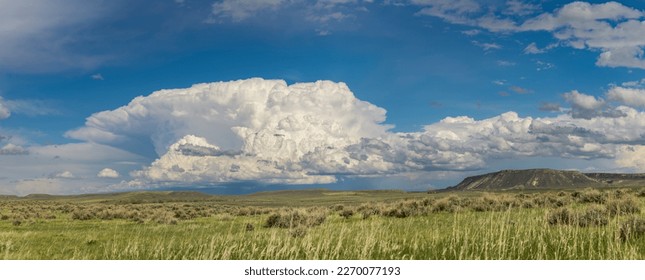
(321, 224)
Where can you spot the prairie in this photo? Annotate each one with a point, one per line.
(587, 223)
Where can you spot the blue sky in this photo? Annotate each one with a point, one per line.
(417, 94)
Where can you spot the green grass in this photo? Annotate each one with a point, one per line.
(464, 230)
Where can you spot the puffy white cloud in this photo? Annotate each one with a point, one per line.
(63, 175)
(611, 27)
(632, 157)
(634, 97)
(12, 149)
(638, 83)
(587, 106)
(583, 101)
(108, 173)
(576, 14)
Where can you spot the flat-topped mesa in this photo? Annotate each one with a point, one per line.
(528, 179)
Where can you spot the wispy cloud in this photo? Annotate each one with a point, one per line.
(487, 46)
(97, 77)
(506, 63)
(241, 10)
(520, 8)
(4, 109)
(471, 32)
(30, 107)
(612, 28)
(550, 107)
(39, 36)
(320, 15)
(543, 65)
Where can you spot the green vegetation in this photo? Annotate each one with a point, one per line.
(323, 224)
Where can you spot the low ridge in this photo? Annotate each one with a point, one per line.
(533, 179)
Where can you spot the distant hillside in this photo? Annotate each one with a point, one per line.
(304, 197)
(546, 179)
(626, 180)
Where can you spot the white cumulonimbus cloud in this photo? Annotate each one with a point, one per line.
(269, 132)
(108, 173)
(234, 131)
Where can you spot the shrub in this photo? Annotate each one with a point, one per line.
(592, 196)
(620, 193)
(347, 213)
(276, 220)
(367, 210)
(560, 216)
(632, 229)
(337, 207)
(294, 218)
(641, 193)
(485, 203)
(528, 204)
(480, 207)
(594, 216)
(427, 201)
(82, 214)
(163, 217)
(448, 204)
(397, 212)
(298, 232)
(623, 207)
